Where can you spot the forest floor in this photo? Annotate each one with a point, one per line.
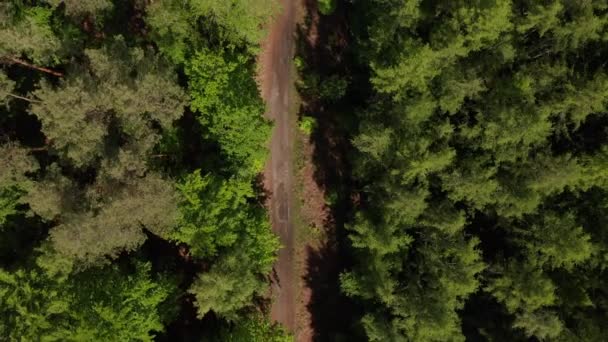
(277, 88)
(323, 192)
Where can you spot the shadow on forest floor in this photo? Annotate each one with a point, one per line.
(323, 46)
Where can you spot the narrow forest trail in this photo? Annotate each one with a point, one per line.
(276, 85)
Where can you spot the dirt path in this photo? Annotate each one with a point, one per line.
(276, 83)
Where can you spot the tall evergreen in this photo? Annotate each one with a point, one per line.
(478, 161)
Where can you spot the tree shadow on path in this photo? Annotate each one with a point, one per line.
(323, 44)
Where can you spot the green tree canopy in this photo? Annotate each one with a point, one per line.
(226, 97)
(27, 31)
(120, 96)
(475, 142)
(100, 304)
(176, 24)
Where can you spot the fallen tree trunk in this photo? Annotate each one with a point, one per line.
(14, 60)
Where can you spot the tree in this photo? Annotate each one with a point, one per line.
(27, 31)
(237, 276)
(465, 29)
(224, 293)
(557, 242)
(214, 213)
(92, 231)
(407, 309)
(327, 6)
(89, 218)
(77, 8)
(226, 97)
(478, 122)
(254, 328)
(173, 26)
(107, 116)
(97, 106)
(240, 20)
(542, 324)
(527, 292)
(101, 304)
(13, 181)
(176, 24)
(245, 251)
(6, 88)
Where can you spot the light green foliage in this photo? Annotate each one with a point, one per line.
(451, 264)
(176, 24)
(299, 63)
(444, 216)
(27, 31)
(240, 20)
(420, 313)
(102, 305)
(527, 292)
(544, 18)
(226, 98)
(523, 288)
(457, 87)
(255, 329)
(373, 141)
(553, 244)
(307, 125)
(220, 289)
(214, 213)
(557, 242)
(327, 7)
(29, 303)
(379, 238)
(584, 25)
(9, 199)
(542, 324)
(473, 181)
(427, 162)
(119, 306)
(217, 220)
(406, 206)
(250, 256)
(379, 328)
(466, 30)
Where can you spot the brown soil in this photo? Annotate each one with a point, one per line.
(314, 214)
(276, 85)
(305, 285)
(314, 210)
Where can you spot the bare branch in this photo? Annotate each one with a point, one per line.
(23, 98)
